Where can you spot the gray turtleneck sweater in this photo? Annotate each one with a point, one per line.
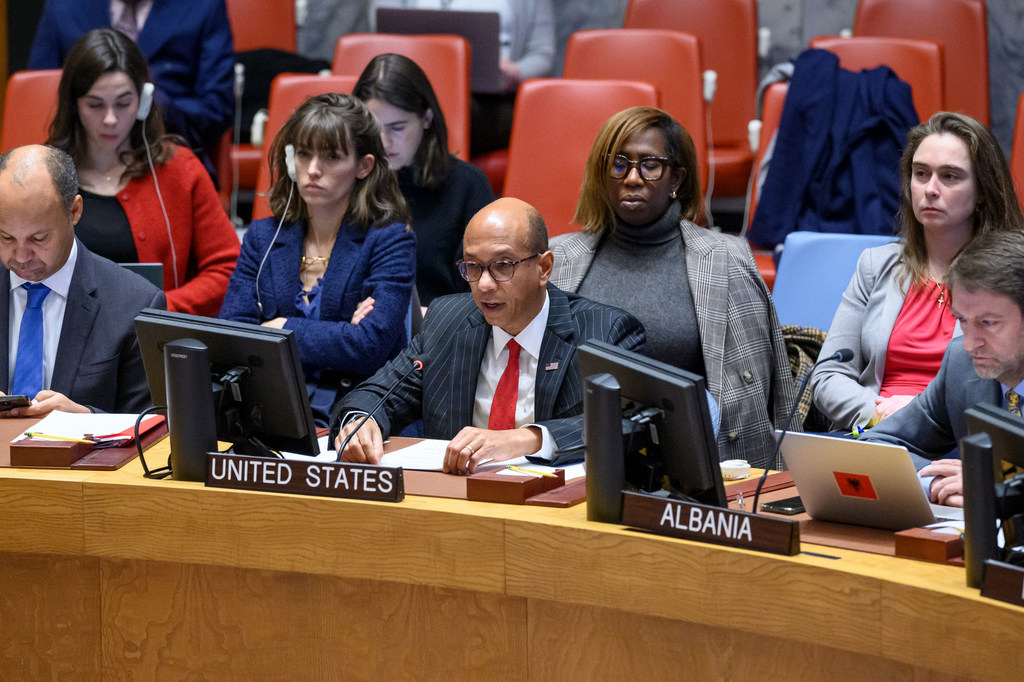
(642, 269)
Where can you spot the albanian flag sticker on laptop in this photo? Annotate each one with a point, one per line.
(855, 485)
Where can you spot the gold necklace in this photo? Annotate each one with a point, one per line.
(942, 293)
(310, 261)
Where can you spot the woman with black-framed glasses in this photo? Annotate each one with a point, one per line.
(697, 293)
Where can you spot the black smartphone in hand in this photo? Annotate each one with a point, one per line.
(10, 401)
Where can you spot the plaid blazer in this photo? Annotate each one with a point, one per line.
(745, 359)
(451, 344)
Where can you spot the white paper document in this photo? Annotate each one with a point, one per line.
(76, 425)
(428, 455)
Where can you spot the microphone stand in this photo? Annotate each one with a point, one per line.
(841, 355)
(416, 365)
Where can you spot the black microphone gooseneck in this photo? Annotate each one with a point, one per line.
(841, 355)
(417, 365)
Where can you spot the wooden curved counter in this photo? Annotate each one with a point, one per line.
(109, 575)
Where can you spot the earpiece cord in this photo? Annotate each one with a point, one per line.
(167, 221)
(287, 204)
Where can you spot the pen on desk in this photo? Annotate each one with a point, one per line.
(513, 467)
(36, 434)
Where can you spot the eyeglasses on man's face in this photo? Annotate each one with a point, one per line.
(500, 270)
(650, 168)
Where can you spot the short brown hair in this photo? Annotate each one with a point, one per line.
(594, 212)
(992, 262)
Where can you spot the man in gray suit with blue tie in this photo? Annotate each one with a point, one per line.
(499, 377)
(986, 365)
(67, 315)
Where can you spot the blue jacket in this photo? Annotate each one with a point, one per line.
(380, 262)
(836, 161)
(188, 46)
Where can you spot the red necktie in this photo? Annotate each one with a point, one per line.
(503, 407)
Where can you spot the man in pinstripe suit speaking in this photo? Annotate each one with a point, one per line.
(508, 347)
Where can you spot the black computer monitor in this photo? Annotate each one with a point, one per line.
(1005, 430)
(256, 376)
(679, 434)
(996, 436)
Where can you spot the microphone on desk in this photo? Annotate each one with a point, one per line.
(841, 355)
(417, 365)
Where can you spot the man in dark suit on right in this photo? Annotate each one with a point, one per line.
(986, 365)
(499, 377)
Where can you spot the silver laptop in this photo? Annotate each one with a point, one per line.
(860, 482)
(481, 29)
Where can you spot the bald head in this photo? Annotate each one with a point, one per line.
(513, 214)
(24, 162)
(39, 207)
(510, 232)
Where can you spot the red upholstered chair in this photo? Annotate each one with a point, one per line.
(553, 127)
(254, 25)
(287, 92)
(959, 25)
(727, 30)
(444, 58)
(616, 54)
(771, 113)
(1017, 156)
(263, 24)
(31, 104)
(918, 62)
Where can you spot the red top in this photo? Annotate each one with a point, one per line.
(205, 242)
(918, 340)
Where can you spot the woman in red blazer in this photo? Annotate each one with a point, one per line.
(147, 199)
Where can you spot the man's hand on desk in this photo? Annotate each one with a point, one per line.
(472, 446)
(44, 403)
(366, 447)
(948, 485)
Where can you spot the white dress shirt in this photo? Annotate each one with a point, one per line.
(141, 14)
(53, 316)
(493, 366)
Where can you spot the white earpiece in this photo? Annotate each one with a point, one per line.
(289, 161)
(710, 84)
(145, 101)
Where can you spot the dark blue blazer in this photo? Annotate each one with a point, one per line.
(836, 162)
(189, 48)
(379, 262)
(98, 362)
(933, 423)
(451, 344)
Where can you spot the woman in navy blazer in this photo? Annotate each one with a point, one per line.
(337, 262)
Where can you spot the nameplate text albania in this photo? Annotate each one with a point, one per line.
(708, 523)
(322, 479)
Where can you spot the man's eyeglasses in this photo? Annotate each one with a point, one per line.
(649, 167)
(500, 270)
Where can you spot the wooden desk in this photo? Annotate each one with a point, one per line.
(109, 575)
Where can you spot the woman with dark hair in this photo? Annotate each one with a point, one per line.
(443, 192)
(336, 262)
(697, 293)
(895, 314)
(146, 198)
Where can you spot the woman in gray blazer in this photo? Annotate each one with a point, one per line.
(955, 185)
(697, 293)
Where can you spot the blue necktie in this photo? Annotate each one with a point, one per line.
(28, 372)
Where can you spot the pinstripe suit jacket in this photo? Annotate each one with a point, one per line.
(452, 344)
(745, 358)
